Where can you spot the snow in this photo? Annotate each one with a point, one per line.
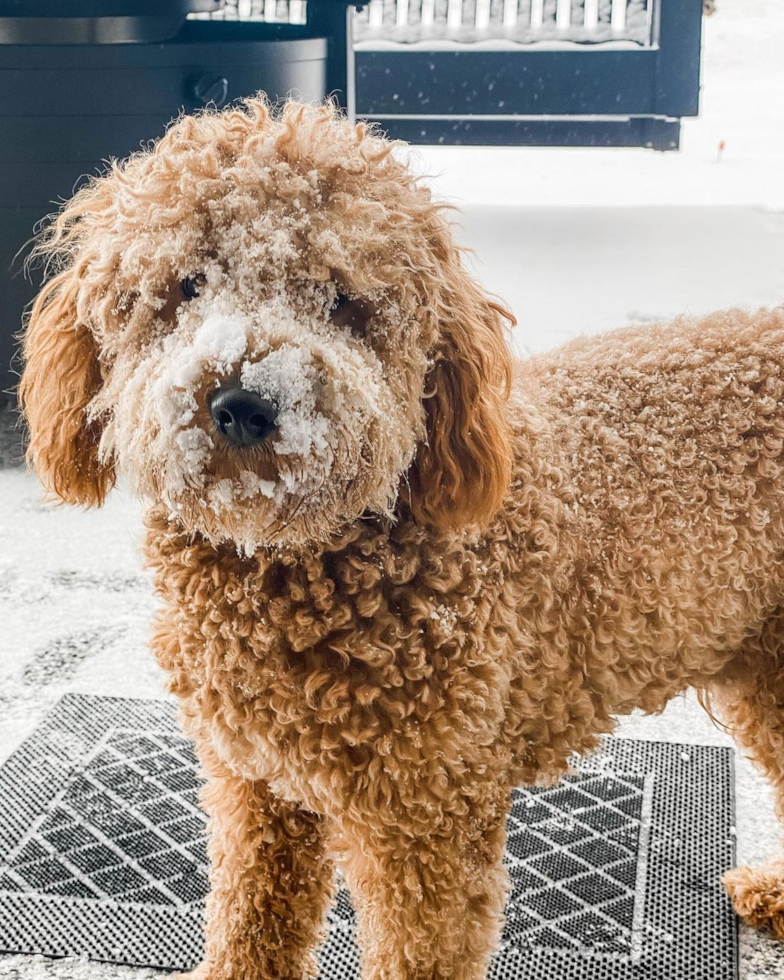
(568, 271)
(220, 342)
(288, 378)
(75, 601)
(39, 968)
(322, 381)
(492, 44)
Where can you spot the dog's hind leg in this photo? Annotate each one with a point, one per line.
(751, 700)
(271, 883)
(430, 903)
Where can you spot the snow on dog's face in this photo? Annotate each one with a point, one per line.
(247, 323)
(321, 431)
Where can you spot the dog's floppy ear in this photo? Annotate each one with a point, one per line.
(61, 375)
(462, 470)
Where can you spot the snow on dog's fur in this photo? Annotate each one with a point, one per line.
(443, 572)
(252, 230)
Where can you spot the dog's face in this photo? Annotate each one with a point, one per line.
(264, 323)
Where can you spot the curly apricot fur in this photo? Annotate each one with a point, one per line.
(61, 378)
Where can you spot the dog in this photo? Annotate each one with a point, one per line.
(402, 571)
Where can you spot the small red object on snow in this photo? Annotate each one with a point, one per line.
(722, 145)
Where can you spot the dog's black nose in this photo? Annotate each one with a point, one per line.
(242, 416)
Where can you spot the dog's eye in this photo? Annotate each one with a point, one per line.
(347, 312)
(191, 287)
(341, 302)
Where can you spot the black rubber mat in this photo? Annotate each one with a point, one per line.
(615, 871)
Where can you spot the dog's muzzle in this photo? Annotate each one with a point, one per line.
(241, 416)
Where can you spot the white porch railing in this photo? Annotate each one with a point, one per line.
(523, 21)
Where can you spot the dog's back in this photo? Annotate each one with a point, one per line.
(647, 519)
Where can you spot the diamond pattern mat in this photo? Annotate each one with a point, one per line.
(614, 872)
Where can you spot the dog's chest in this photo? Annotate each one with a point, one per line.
(311, 670)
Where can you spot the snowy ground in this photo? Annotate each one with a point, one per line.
(567, 271)
(576, 241)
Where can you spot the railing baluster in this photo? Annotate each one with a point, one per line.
(510, 13)
(482, 17)
(428, 13)
(591, 15)
(563, 15)
(537, 14)
(454, 15)
(376, 14)
(401, 13)
(618, 16)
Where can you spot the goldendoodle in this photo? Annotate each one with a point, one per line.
(401, 571)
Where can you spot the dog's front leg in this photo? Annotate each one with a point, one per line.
(430, 904)
(271, 883)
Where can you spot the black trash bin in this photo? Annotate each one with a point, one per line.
(95, 84)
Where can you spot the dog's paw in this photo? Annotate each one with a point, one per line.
(757, 895)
